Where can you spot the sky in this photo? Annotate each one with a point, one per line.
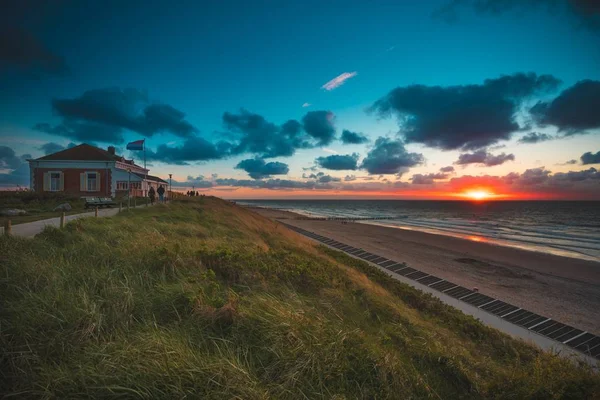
(308, 99)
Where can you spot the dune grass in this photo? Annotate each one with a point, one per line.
(201, 298)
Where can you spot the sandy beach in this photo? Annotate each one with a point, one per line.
(565, 289)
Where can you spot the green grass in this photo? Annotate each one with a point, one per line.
(41, 205)
(201, 298)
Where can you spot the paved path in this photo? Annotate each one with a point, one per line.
(31, 229)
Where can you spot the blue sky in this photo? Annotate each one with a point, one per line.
(208, 58)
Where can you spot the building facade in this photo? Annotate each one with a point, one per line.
(89, 171)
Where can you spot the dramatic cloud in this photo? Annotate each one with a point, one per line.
(449, 168)
(273, 184)
(339, 162)
(8, 158)
(197, 183)
(102, 114)
(585, 12)
(534, 137)
(319, 125)
(349, 137)
(428, 179)
(51, 147)
(21, 50)
(16, 166)
(257, 168)
(390, 157)
(574, 111)
(468, 116)
(254, 134)
(484, 158)
(590, 158)
(83, 132)
(338, 80)
(193, 149)
(327, 179)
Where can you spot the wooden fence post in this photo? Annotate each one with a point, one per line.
(8, 227)
(62, 220)
(96, 212)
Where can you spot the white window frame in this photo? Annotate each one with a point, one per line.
(60, 177)
(87, 181)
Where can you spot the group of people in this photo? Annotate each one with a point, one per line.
(192, 193)
(161, 194)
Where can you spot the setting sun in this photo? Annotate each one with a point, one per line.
(478, 195)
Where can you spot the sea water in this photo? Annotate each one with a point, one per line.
(566, 228)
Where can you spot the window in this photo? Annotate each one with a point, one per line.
(92, 181)
(122, 185)
(55, 181)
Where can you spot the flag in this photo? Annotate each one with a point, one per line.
(137, 145)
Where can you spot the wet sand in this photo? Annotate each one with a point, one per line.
(562, 288)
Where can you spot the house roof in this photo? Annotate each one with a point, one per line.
(83, 152)
(150, 177)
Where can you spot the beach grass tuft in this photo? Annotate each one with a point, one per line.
(201, 298)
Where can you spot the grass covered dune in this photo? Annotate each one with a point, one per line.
(204, 299)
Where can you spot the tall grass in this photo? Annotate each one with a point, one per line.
(203, 299)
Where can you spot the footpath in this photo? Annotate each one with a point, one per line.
(30, 229)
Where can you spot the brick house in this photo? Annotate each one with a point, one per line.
(88, 171)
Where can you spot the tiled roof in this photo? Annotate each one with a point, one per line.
(83, 152)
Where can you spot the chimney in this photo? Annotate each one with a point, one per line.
(111, 150)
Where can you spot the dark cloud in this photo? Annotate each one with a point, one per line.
(193, 149)
(390, 157)
(349, 137)
(349, 178)
(449, 168)
(9, 159)
(102, 114)
(198, 182)
(257, 168)
(17, 166)
(428, 179)
(484, 158)
(574, 111)
(256, 135)
(577, 176)
(590, 158)
(467, 116)
(83, 132)
(534, 137)
(585, 12)
(273, 184)
(327, 179)
(51, 147)
(338, 162)
(320, 126)
(20, 49)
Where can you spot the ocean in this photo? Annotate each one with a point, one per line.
(566, 228)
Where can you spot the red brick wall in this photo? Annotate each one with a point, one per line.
(72, 181)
